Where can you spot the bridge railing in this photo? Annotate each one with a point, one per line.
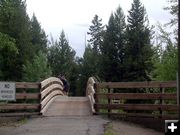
(27, 101)
(50, 88)
(157, 103)
(90, 91)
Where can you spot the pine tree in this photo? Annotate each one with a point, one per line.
(138, 51)
(112, 58)
(96, 31)
(39, 38)
(61, 56)
(86, 69)
(61, 59)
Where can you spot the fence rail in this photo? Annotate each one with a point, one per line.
(153, 84)
(145, 96)
(154, 104)
(27, 101)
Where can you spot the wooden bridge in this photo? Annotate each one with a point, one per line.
(47, 98)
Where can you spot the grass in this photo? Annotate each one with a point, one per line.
(13, 123)
(109, 129)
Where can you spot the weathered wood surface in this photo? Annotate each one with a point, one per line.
(162, 116)
(50, 89)
(50, 81)
(169, 84)
(154, 107)
(18, 114)
(147, 96)
(27, 96)
(49, 97)
(90, 91)
(27, 85)
(69, 106)
(21, 106)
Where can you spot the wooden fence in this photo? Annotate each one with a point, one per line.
(156, 103)
(32, 98)
(27, 101)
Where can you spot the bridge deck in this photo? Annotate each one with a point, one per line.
(69, 106)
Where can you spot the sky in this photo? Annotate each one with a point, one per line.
(75, 16)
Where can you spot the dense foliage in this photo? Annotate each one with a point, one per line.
(119, 51)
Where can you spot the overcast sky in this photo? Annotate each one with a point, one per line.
(75, 16)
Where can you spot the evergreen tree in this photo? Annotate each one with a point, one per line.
(39, 39)
(14, 22)
(95, 42)
(112, 58)
(61, 56)
(86, 69)
(96, 33)
(61, 59)
(138, 53)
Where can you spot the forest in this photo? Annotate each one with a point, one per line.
(126, 49)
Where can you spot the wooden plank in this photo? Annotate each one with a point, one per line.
(109, 101)
(49, 97)
(27, 96)
(137, 107)
(152, 84)
(27, 85)
(175, 116)
(18, 114)
(19, 106)
(50, 80)
(178, 92)
(137, 96)
(50, 89)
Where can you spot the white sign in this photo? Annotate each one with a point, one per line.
(7, 91)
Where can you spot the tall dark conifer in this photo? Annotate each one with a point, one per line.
(39, 38)
(113, 47)
(138, 49)
(62, 61)
(96, 32)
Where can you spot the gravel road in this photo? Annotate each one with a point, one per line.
(87, 125)
(71, 125)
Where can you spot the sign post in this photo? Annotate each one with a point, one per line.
(7, 91)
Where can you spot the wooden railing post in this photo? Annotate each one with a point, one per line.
(40, 107)
(178, 95)
(109, 103)
(161, 100)
(95, 97)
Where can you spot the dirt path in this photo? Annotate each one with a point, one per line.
(87, 125)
